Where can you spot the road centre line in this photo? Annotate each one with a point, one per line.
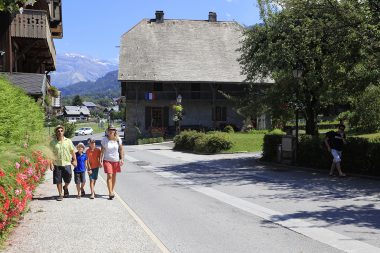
(300, 226)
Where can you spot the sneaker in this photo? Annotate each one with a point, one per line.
(65, 192)
(111, 197)
(92, 196)
(78, 196)
(83, 192)
(60, 198)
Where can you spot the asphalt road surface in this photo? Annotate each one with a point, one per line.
(229, 203)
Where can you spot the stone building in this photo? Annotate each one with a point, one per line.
(161, 59)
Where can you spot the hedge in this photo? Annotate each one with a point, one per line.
(150, 140)
(21, 118)
(360, 155)
(210, 143)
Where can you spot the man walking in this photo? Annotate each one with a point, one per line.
(63, 149)
(334, 142)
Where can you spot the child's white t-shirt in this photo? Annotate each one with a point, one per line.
(111, 149)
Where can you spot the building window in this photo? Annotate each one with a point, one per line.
(195, 91)
(219, 113)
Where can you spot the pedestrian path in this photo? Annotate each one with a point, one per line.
(80, 225)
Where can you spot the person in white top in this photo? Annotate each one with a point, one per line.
(111, 157)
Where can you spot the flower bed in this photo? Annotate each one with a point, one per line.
(17, 182)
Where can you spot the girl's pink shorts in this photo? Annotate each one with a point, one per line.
(111, 167)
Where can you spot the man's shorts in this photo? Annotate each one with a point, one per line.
(62, 172)
(94, 174)
(337, 155)
(79, 177)
(111, 167)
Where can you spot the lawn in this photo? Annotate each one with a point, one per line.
(246, 142)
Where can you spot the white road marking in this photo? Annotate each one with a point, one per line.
(305, 228)
(147, 230)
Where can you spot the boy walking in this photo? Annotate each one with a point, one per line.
(93, 155)
(334, 142)
(80, 170)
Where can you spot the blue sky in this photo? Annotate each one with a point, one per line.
(94, 27)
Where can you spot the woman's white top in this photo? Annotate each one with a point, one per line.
(111, 149)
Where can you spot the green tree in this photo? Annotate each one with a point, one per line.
(330, 40)
(77, 101)
(12, 5)
(366, 112)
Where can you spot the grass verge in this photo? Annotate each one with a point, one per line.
(246, 142)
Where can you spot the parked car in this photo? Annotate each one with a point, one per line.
(84, 131)
(122, 126)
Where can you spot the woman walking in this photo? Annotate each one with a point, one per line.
(112, 158)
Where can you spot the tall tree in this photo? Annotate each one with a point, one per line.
(14, 5)
(77, 101)
(330, 40)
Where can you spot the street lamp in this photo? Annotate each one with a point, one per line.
(297, 74)
(179, 99)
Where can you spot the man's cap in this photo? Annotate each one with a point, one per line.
(80, 144)
(90, 140)
(112, 127)
(58, 127)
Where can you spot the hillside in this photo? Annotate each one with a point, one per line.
(105, 87)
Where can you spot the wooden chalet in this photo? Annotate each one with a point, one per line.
(26, 41)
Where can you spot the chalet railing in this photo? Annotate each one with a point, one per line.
(171, 95)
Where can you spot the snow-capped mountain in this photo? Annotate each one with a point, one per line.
(74, 68)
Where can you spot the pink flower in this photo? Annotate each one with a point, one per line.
(2, 173)
(17, 165)
(30, 171)
(25, 145)
(18, 192)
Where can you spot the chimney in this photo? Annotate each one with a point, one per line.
(212, 16)
(159, 16)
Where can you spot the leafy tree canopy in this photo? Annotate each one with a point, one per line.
(334, 42)
(77, 101)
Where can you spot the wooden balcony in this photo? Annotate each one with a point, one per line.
(34, 24)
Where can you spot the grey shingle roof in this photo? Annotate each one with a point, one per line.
(89, 104)
(181, 50)
(31, 83)
(77, 110)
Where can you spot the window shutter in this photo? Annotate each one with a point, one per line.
(148, 117)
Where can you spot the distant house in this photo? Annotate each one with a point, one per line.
(161, 59)
(75, 113)
(89, 105)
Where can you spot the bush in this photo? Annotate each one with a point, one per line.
(150, 140)
(212, 143)
(255, 131)
(21, 117)
(229, 129)
(276, 131)
(69, 129)
(186, 140)
(360, 155)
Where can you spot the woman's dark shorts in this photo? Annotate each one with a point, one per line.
(79, 177)
(62, 172)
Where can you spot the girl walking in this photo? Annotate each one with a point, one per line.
(112, 158)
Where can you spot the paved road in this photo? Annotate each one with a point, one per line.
(228, 203)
